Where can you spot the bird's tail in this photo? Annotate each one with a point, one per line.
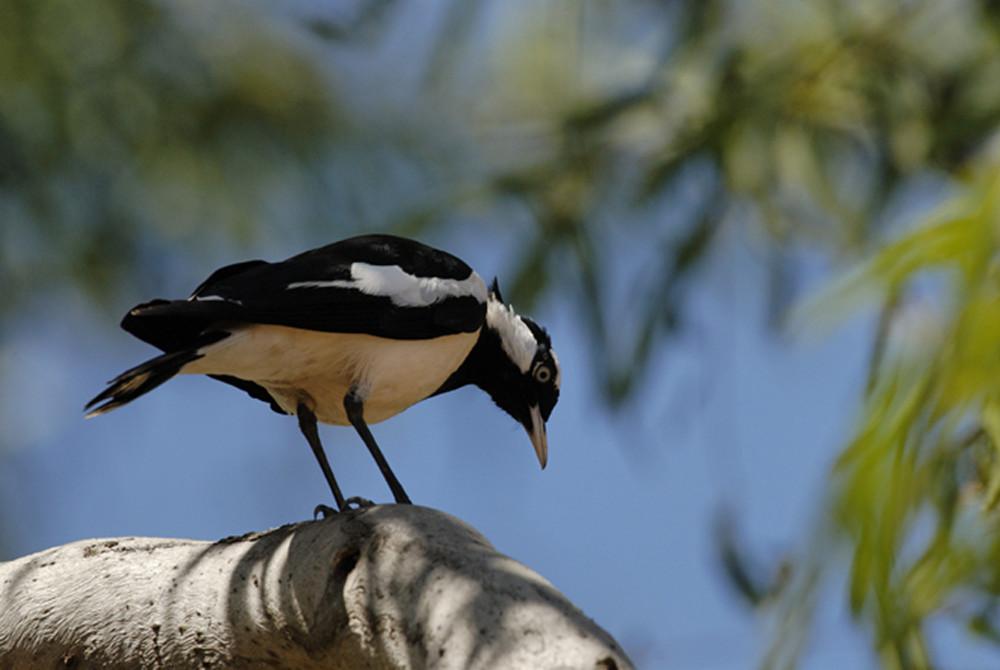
(140, 380)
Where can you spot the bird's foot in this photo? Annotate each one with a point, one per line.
(356, 502)
(325, 510)
(359, 502)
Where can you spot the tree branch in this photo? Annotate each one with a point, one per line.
(391, 586)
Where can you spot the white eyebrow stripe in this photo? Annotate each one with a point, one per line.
(555, 361)
(404, 289)
(515, 337)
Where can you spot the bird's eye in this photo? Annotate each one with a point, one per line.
(543, 374)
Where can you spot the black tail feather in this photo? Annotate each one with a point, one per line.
(140, 380)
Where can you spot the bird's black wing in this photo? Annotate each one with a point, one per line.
(314, 290)
(317, 290)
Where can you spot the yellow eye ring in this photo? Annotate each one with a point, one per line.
(543, 374)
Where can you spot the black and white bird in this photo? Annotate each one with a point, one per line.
(348, 334)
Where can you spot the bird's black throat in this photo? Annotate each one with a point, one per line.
(488, 367)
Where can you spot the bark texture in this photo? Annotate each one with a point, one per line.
(384, 587)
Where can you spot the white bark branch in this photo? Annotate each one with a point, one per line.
(392, 586)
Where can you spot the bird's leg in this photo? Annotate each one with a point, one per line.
(356, 415)
(307, 424)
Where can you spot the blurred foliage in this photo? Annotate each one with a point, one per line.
(806, 120)
(618, 139)
(916, 495)
(123, 121)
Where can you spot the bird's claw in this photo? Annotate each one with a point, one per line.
(359, 502)
(356, 502)
(325, 510)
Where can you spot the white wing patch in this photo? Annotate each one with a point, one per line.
(515, 337)
(404, 289)
(209, 298)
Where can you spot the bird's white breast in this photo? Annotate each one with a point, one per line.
(318, 369)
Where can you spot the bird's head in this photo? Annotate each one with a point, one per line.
(525, 374)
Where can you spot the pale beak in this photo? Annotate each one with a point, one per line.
(537, 434)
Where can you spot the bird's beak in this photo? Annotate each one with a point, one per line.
(537, 433)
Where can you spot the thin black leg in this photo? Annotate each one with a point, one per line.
(356, 415)
(307, 424)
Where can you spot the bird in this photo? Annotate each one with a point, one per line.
(351, 333)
